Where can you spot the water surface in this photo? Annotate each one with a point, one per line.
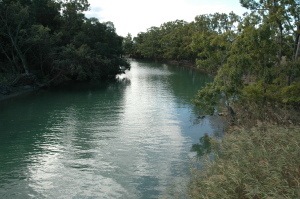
(127, 139)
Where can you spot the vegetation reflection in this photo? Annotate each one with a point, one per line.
(204, 146)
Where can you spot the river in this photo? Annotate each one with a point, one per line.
(127, 139)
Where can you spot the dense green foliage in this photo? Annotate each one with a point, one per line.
(257, 163)
(53, 38)
(255, 57)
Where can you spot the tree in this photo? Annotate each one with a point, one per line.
(42, 44)
(94, 53)
(283, 16)
(252, 74)
(46, 13)
(51, 39)
(13, 20)
(213, 41)
(174, 40)
(128, 45)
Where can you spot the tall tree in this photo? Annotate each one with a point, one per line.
(14, 21)
(128, 45)
(212, 42)
(284, 16)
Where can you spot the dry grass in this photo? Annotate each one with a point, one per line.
(263, 162)
(251, 114)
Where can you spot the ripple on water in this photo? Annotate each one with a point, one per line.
(128, 139)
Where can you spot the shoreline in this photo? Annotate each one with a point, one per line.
(190, 65)
(16, 92)
(25, 89)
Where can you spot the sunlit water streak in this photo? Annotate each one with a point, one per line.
(127, 139)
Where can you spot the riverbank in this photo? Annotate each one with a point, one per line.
(17, 91)
(261, 162)
(16, 85)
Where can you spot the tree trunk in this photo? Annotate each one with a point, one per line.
(20, 54)
(295, 55)
(23, 59)
(280, 41)
(231, 113)
(297, 44)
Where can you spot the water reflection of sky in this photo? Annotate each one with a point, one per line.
(151, 126)
(130, 139)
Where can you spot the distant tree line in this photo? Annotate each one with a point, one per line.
(53, 38)
(255, 56)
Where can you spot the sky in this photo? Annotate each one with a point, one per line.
(134, 16)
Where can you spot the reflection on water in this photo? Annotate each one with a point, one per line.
(127, 139)
(204, 146)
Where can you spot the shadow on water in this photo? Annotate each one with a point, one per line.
(203, 147)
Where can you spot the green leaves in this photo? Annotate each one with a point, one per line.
(291, 95)
(128, 45)
(53, 38)
(212, 42)
(169, 41)
(248, 62)
(93, 54)
(208, 97)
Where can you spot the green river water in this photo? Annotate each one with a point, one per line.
(128, 139)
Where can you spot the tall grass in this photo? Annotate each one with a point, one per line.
(250, 114)
(263, 162)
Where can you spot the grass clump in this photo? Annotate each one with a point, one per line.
(256, 163)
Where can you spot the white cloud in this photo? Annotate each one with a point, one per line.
(134, 16)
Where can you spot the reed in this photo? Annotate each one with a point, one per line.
(261, 162)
